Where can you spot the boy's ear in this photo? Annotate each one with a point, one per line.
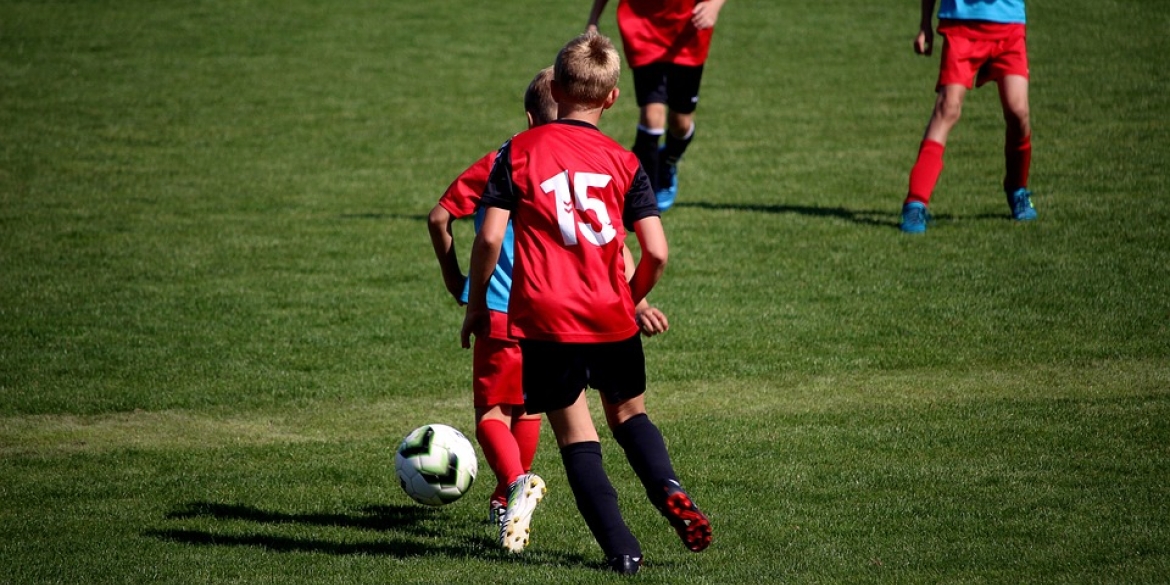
(610, 99)
(531, 122)
(557, 94)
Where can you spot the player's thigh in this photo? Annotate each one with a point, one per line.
(1013, 96)
(573, 424)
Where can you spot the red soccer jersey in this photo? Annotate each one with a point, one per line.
(462, 198)
(573, 193)
(660, 31)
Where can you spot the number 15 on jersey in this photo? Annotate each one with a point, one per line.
(577, 197)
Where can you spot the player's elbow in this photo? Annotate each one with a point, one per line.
(655, 256)
(486, 242)
(438, 219)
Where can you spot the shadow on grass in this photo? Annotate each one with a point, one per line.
(408, 525)
(877, 218)
(379, 215)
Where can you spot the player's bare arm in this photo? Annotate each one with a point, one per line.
(595, 15)
(924, 42)
(485, 253)
(439, 224)
(650, 319)
(652, 240)
(706, 13)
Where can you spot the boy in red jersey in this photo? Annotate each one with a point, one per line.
(572, 193)
(666, 44)
(507, 435)
(985, 41)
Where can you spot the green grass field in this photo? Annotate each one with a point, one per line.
(220, 312)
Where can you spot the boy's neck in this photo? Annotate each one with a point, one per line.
(582, 114)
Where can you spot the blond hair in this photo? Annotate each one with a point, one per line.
(538, 99)
(587, 69)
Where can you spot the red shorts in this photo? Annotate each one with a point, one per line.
(496, 367)
(974, 53)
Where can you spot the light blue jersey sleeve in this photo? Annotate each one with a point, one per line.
(1003, 11)
(500, 286)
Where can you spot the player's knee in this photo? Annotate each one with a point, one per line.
(949, 110)
(1018, 121)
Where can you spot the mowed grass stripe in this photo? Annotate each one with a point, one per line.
(673, 403)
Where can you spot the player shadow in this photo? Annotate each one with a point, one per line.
(884, 218)
(881, 218)
(409, 529)
(376, 215)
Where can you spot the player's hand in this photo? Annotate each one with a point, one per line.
(592, 28)
(704, 15)
(474, 323)
(455, 289)
(651, 321)
(924, 42)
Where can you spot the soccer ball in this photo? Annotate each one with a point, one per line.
(436, 464)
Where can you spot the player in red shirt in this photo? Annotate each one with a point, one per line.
(572, 193)
(507, 435)
(666, 44)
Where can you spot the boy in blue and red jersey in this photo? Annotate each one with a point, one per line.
(666, 44)
(984, 41)
(507, 434)
(572, 193)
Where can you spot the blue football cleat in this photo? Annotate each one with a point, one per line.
(1020, 201)
(914, 218)
(666, 194)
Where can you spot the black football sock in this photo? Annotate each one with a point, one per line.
(597, 500)
(675, 147)
(646, 149)
(646, 451)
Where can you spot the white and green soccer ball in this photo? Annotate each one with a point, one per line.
(436, 464)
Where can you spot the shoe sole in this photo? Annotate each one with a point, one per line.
(693, 527)
(517, 523)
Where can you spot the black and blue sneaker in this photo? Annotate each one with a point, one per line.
(666, 194)
(1020, 202)
(914, 217)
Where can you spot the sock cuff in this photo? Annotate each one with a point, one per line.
(488, 421)
(583, 448)
(651, 131)
(932, 144)
(624, 430)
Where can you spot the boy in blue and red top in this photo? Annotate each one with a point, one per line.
(572, 193)
(985, 41)
(506, 433)
(666, 44)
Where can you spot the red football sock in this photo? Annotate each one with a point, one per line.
(924, 175)
(527, 434)
(501, 452)
(1017, 153)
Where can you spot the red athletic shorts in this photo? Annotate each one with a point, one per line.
(496, 367)
(974, 53)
